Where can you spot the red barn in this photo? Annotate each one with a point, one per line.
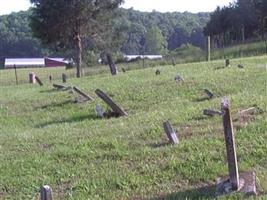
(55, 62)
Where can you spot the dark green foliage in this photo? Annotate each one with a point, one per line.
(67, 26)
(240, 21)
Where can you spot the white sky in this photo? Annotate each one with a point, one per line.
(8, 6)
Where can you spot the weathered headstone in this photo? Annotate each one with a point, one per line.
(170, 133)
(240, 66)
(64, 78)
(46, 193)
(227, 63)
(157, 72)
(123, 70)
(99, 111)
(116, 109)
(178, 78)
(50, 78)
(230, 144)
(61, 87)
(86, 96)
(112, 66)
(38, 81)
(244, 182)
(32, 79)
(209, 93)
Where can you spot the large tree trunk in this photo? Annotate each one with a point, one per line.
(79, 56)
(112, 66)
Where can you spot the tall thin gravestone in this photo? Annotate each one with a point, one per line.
(16, 75)
(170, 132)
(46, 193)
(112, 66)
(230, 144)
(64, 78)
(32, 79)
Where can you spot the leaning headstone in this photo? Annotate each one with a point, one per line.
(178, 78)
(39, 81)
(64, 78)
(99, 110)
(209, 93)
(170, 133)
(32, 79)
(86, 96)
(61, 87)
(244, 182)
(116, 109)
(112, 66)
(46, 193)
(240, 66)
(227, 63)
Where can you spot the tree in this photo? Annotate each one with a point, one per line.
(155, 42)
(67, 24)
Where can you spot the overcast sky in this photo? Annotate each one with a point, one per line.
(8, 6)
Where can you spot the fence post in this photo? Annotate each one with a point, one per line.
(230, 144)
(208, 48)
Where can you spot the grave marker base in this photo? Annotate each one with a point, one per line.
(247, 182)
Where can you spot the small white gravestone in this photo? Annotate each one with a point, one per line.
(99, 111)
(178, 78)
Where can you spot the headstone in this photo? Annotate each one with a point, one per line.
(227, 63)
(178, 78)
(86, 96)
(39, 81)
(116, 109)
(157, 72)
(99, 111)
(32, 79)
(123, 70)
(240, 66)
(64, 78)
(61, 87)
(112, 66)
(209, 93)
(170, 133)
(230, 144)
(244, 182)
(46, 193)
(50, 78)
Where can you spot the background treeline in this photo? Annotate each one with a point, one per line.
(241, 21)
(136, 32)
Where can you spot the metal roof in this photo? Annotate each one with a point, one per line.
(24, 62)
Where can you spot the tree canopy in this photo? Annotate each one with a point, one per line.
(67, 26)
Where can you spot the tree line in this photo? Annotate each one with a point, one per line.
(240, 21)
(130, 32)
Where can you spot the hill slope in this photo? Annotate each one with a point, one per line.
(45, 138)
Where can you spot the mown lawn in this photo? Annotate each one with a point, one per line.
(45, 138)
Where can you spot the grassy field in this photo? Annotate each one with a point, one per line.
(46, 138)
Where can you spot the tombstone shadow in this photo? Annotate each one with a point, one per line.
(200, 99)
(203, 193)
(70, 120)
(160, 144)
(55, 105)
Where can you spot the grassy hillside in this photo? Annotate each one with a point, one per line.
(45, 138)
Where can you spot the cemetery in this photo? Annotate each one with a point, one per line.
(136, 135)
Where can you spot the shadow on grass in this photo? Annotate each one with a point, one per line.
(49, 91)
(201, 99)
(55, 105)
(70, 120)
(207, 192)
(161, 144)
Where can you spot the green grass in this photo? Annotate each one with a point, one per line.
(45, 138)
